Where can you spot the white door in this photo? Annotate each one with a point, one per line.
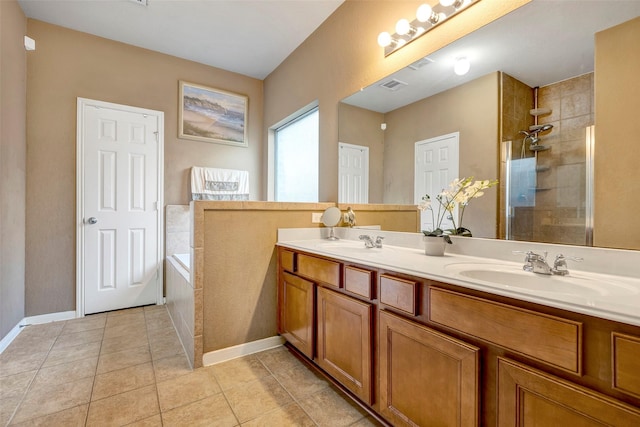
(437, 161)
(353, 173)
(119, 201)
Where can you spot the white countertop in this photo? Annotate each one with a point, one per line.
(613, 297)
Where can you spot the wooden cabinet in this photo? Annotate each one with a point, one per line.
(426, 378)
(319, 270)
(426, 353)
(552, 340)
(529, 397)
(344, 341)
(626, 363)
(358, 281)
(296, 312)
(398, 293)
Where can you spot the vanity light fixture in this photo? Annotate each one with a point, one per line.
(427, 17)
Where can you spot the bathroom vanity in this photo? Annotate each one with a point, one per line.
(421, 344)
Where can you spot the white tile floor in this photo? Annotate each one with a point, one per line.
(128, 368)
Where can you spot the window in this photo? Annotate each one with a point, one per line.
(296, 159)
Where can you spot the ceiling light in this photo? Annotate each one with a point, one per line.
(461, 66)
(447, 3)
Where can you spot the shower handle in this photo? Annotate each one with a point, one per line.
(92, 220)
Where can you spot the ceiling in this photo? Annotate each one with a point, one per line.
(540, 43)
(250, 37)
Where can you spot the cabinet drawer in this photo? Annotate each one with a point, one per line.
(626, 363)
(398, 293)
(552, 340)
(320, 270)
(358, 281)
(288, 260)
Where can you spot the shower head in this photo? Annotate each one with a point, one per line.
(540, 128)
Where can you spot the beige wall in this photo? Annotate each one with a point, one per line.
(235, 263)
(342, 56)
(68, 64)
(362, 127)
(617, 132)
(337, 60)
(455, 110)
(13, 147)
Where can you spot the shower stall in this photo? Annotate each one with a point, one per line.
(546, 161)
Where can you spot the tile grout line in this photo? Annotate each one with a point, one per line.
(95, 375)
(28, 388)
(224, 395)
(153, 364)
(293, 398)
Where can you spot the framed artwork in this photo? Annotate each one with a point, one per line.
(212, 115)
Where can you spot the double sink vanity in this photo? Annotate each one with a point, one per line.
(469, 338)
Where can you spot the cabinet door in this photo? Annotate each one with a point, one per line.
(426, 378)
(528, 397)
(344, 341)
(296, 312)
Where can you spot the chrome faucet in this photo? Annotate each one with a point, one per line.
(370, 243)
(537, 263)
(560, 264)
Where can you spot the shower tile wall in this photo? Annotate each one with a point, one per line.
(559, 214)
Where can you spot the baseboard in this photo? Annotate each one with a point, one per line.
(7, 339)
(50, 317)
(219, 356)
(34, 320)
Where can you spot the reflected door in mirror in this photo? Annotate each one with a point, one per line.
(353, 173)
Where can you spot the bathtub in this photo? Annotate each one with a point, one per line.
(180, 300)
(184, 260)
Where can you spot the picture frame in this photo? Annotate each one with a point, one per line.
(212, 115)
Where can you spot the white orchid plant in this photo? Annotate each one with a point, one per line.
(459, 193)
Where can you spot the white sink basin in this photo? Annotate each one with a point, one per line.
(513, 277)
(337, 244)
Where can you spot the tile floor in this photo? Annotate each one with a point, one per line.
(128, 368)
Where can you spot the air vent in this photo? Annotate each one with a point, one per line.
(393, 84)
(421, 63)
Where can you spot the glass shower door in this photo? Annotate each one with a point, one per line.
(548, 193)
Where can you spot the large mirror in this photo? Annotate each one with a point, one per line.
(532, 67)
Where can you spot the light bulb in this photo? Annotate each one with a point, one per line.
(424, 13)
(462, 66)
(403, 27)
(447, 3)
(384, 39)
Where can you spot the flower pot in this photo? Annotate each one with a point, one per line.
(434, 245)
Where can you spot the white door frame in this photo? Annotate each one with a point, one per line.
(81, 104)
(365, 150)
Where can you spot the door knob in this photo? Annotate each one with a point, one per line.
(92, 220)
